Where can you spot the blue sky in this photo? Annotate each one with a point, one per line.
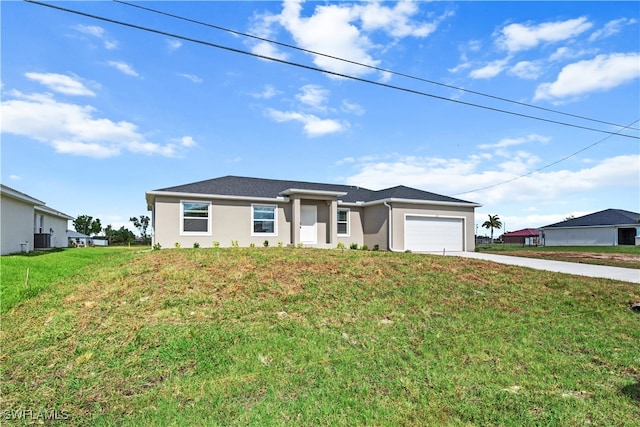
(95, 113)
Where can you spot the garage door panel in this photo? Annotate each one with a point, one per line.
(430, 234)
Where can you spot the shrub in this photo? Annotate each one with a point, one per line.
(280, 244)
(216, 244)
(157, 247)
(299, 246)
(234, 244)
(176, 245)
(265, 243)
(341, 245)
(252, 245)
(196, 244)
(376, 247)
(353, 246)
(365, 248)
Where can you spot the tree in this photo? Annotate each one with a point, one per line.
(85, 224)
(491, 223)
(142, 224)
(123, 236)
(109, 233)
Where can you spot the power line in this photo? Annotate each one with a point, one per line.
(282, 61)
(372, 67)
(545, 167)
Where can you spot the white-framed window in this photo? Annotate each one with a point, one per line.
(263, 220)
(195, 218)
(343, 222)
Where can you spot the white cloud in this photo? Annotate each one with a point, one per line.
(61, 83)
(97, 32)
(267, 93)
(191, 77)
(598, 74)
(123, 67)
(526, 70)
(518, 37)
(91, 30)
(490, 70)
(313, 96)
(173, 45)
(313, 125)
(15, 177)
(343, 31)
(509, 142)
(75, 129)
(611, 28)
(455, 176)
(353, 108)
(187, 141)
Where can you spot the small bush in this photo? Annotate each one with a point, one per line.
(341, 245)
(265, 243)
(252, 245)
(157, 247)
(216, 244)
(176, 245)
(234, 244)
(365, 248)
(196, 244)
(353, 246)
(280, 244)
(376, 247)
(299, 246)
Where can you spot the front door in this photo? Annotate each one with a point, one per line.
(308, 224)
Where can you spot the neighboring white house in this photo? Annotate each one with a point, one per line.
(610, 227)
(77, 239)
(253, 211)
(26, 223)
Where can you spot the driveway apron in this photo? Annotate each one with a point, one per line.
(590, 270)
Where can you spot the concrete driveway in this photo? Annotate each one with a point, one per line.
(590, 270)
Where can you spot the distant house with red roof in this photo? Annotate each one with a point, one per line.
(526, 236)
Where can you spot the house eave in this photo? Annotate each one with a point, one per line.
(47, 210)
(301, 191)
(413, 201)
(17, 195)
(151, 195)
(589, 226)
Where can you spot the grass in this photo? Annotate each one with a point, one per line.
(23, 276)
(271, 336)
(616, 256)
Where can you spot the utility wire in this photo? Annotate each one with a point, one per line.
(282, 61)
(372, 67)
(547, 166)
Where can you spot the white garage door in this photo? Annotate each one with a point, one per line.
(428, 234)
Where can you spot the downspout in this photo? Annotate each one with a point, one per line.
(390, 234)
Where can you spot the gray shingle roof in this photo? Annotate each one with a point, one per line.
(605, 217)
(271, 188)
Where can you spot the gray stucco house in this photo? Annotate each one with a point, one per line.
(26, 223)
(252, 210)
(610, 227)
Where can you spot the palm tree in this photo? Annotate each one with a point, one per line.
(491, 223)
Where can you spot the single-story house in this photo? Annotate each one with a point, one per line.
(77, 239)
(610, 227)
(26, 223)
(526, 236)
(292, 213)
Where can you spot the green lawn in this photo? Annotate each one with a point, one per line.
(271, 336)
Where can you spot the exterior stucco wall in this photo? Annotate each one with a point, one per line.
(230, 221)
(583, 236)
(400, 210)
(376, 218)
(356, 230)
(58, 229)
(17, 225)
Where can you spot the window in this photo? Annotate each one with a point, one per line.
(343, 222)
(263, 218)
(195, 217)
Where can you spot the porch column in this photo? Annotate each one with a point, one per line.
(333, 222)
(295, 220)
